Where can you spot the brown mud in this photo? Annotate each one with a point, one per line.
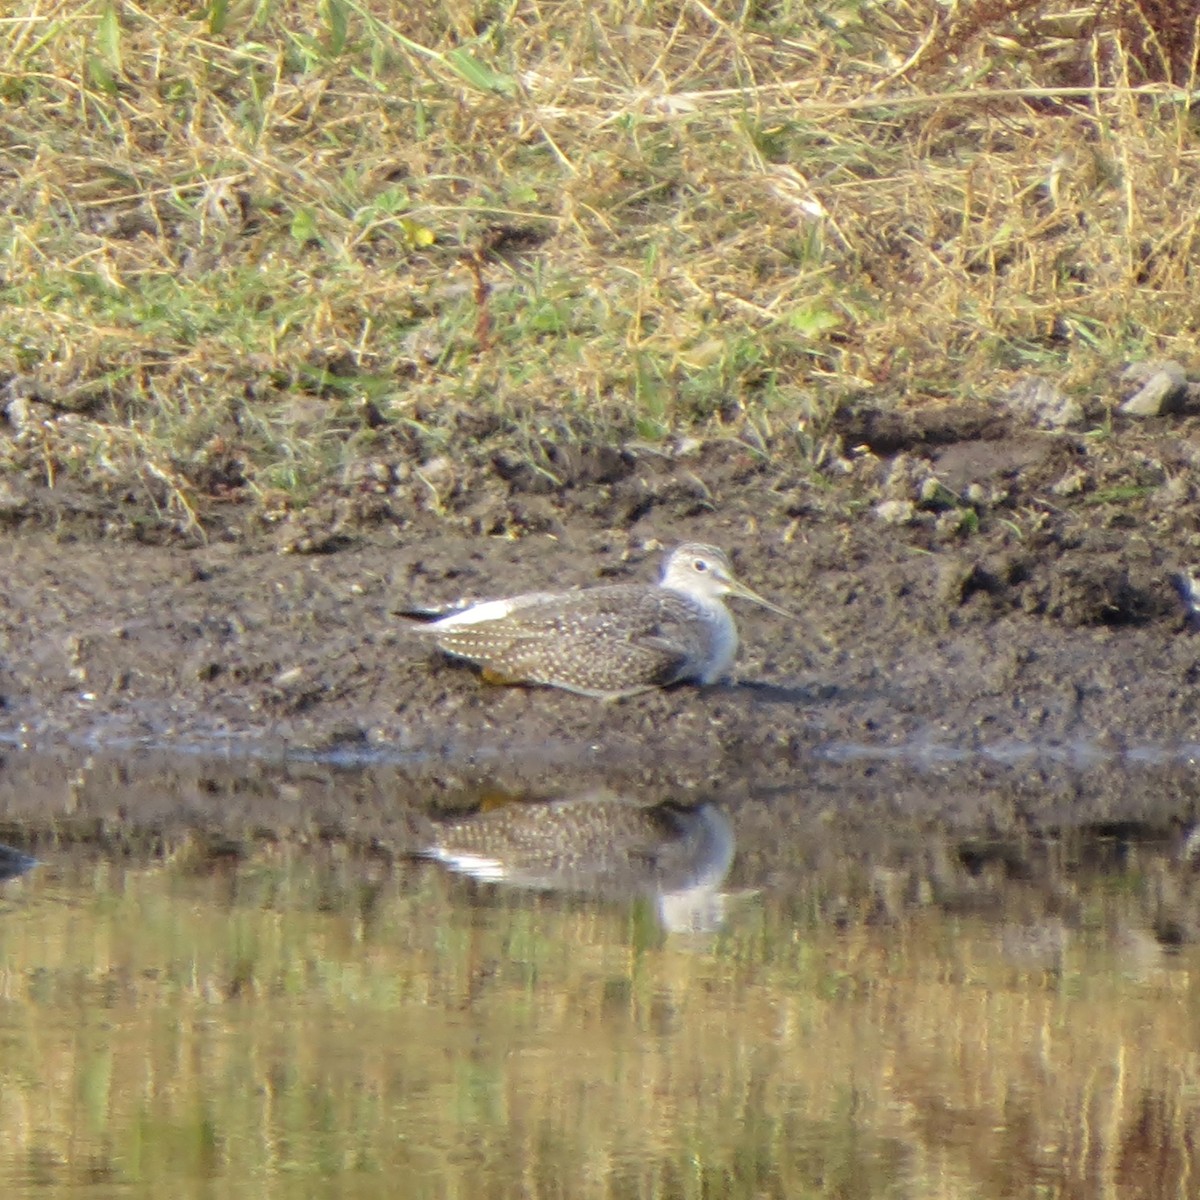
(980, 604)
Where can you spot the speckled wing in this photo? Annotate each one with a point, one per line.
(595, 843)
(606, 641)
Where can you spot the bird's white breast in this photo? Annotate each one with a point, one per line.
(723, 645)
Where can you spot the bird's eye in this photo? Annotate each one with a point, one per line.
(700, 565)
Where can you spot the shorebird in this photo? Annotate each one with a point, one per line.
(609, 641)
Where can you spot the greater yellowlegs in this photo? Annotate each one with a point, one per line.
(609, 641)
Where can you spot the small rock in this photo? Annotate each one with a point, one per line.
(439, 467)
(955, 523)
(1135, 375)
(896, 512)
(905, 478)
(1161, 388)
(369, 475)
(1175, 490)
(1042, 401)
(937, 496)
(27, 415)
(1070, 484)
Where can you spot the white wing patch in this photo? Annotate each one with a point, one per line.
(477, 614)
(497, 610)
(478, 866)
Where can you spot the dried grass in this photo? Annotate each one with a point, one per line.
(246, 249)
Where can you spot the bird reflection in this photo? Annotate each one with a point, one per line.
(600, 845)
(14, 863)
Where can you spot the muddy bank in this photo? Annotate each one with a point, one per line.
(1003, 596)
(148, 798)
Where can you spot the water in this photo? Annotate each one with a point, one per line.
(238, 980)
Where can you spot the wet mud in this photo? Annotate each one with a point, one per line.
(975, 600)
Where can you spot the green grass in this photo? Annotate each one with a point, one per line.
(251, 244)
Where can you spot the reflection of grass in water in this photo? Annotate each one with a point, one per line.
(295, 1018)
